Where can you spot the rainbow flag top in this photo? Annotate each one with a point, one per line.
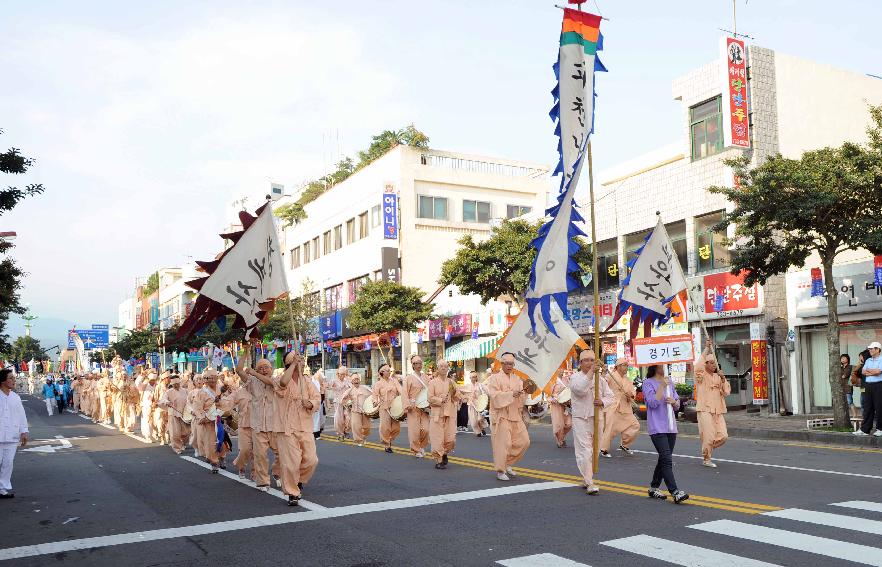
(581, 28)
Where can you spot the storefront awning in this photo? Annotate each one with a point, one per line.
(471, 349)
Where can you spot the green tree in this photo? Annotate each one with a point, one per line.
(789, 210)
(291, 213)
(500, 265)
(25, 348)
(12, 163)
(279, 324)
(152, 285)
(384, 306)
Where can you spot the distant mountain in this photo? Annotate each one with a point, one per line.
(49, 331)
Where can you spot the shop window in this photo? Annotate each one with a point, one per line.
(338, 237)
(333, 298)
(706, 128)
(432, 207)
(350, 231)
(608, 264)
(363, 225)
(711, 250)
(475, 211)
(355, 287)
(295, 257)
(514, 211)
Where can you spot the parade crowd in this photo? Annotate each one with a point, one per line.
(283, 411)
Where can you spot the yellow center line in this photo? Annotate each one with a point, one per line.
(630, 489)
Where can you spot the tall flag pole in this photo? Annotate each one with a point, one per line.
(573, 113)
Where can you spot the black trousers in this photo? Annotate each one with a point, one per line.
(871, 400)
(664, 468)
(59, 402)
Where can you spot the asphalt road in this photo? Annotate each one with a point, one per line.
(90, 495)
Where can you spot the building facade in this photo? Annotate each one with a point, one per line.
(398, 219)
(783, 115)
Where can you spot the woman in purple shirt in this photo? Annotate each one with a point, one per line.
(661, 404)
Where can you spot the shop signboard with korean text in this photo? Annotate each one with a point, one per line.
(390, 214)
(736, 115)
(723, 295)
(457, 325)
(670, 349)
(857, 290)
(580, 306)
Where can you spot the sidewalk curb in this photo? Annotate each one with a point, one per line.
(830, 438)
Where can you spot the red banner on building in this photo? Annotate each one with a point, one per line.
(736, 296)
(760, 365)
(735, 111)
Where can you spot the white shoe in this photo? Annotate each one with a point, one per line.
(510, 472)
(605, 454)
(859, 433)
(592, 489)
(502, 476)
(708, 463)
(878, 433)
(420, 454)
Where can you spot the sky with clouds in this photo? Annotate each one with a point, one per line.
(148, 119)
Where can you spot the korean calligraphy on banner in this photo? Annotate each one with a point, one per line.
(573, 112)
(655, 281)
(245, 281)
(727, 292)
(760, 368)
(670, 349)
(538, 352)
(736, 115)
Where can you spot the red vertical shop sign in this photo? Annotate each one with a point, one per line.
(760, 362)
(735, 112)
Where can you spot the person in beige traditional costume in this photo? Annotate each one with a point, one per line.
(711, 389)
(361, 424)
(385, 392)
(160, 414)
(417, 419)
(584, 404)
(241, 399)
(471, 391)
(339, 385)
(296, 398)
(619, 417)
(175, 402)
(147, 407)
(510, 439)
(262, 418)
(561, 420)
(204, 412)
(443, 396)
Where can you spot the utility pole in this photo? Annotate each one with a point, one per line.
(27, 317)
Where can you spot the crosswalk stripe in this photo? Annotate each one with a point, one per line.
(860, 505)
(830, 520)
(682, 553)
(540, 560)
(863, 554)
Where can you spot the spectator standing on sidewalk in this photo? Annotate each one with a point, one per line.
(845, 369)
(872, 400)
(13, 430)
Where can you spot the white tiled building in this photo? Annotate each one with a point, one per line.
(440, 196)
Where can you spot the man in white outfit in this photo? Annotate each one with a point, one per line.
(13, 430)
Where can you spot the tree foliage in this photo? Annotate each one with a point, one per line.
(279, 324)
(380, 144)
(152, 285)
(384, 306)
(500, 265)
(25, 348)
(824, 203)
(12, 163)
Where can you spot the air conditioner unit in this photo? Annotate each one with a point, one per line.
(276, 191)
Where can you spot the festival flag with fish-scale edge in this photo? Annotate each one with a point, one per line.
(573, 113)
